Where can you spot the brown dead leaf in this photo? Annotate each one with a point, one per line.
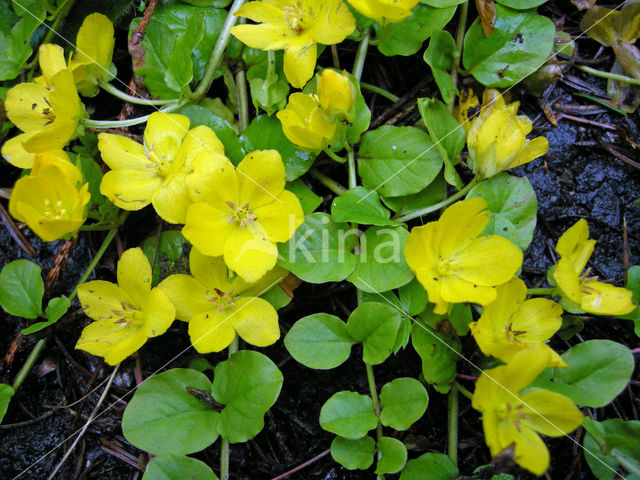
(487, 14)
(583, 4)
(289, 284)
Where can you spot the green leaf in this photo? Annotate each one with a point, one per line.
(168, 61)
(376, 326)
(177, 467)
(6, 392)
(433, 194)
(277, 297)
(513, 206)
(348, 414)
(362, 206)
(413, 297)
(308, 200)
(266, 133)
(319, 341)
(353, 454)
(21, 289)
(362, 116)
(460, 317)
(520, 44)
(521, 4)
(15, 42)
(439, 56)
(447, 135)
(381, 265)
(269, 89)
(404, 400)
(608, 441)
(247, 384)
(439, 353)
(633, 282)
(169, 257)
(55, 309)
(163, 417)
(597, 371)
(320, 250)
(406, 37)
(198, 115)
(430, 466)
(392, 455)
(397, 161)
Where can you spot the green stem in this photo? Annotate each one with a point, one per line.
(26, 368)
(610, 76)
(453, 425)
(87, 122)
(243, 100)
(379, 91)
(358, 64)
(455, 68)
(333, 155)
(107, 87)
(376, 403)
(351, 161)
(631, 467)
(334, 56)
(463, 390)
(217, 53)
(447, 201)
(103, 248)
(224, 442)
(328, 182)
(540, 291)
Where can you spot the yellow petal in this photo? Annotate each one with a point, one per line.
(111, 340)
(299, 63)
(269, 280)
(52, 136)
(256, 321)
(490, 260)
(550, 413)
(171, 199)
(250, 253)
(51, 60)
(265, 36)
(534, 149)
(280, 218)
(187, 295)
(456, 290)
(604, 299)
(539, 318)
(99, 299)
(211, 331)
(214, 180)
(574, 244)
(122, 153)
(336, 92)
(210, 271)
(134, 276)
(567, 279)
(198, 139)
(95, 41)
(13, 152)
(208, 228)
(460, 223)
(25, 105)
(333, 23)
(261, 12)
(159, 313)
(260, 178)
(530, 451)
(164, 133)
(130, 189)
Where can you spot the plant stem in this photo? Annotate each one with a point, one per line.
(463, 390)
(107, 87)
(410, 215)
(26, 368)
(217, 53)
(376, 403)
(328, 182)
(358, 64)
(379, 91)
(351, 161)
(243, 100)
(87, 122)
(462, 23)
(452, 450)
(540, 291)
(333, 155)
(608, 75)
(224, 443)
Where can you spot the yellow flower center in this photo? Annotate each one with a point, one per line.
(128, 316)
(512, 335)
(160, 163)
(54, 212)
(446, 267)
(47, 113)
(243, 215)
(512, 414)
(294, 16)
(223, 300)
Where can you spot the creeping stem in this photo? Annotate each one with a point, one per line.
(376, 405)
(107, 87)
(224, 443)
(608, 75)
(452, 449)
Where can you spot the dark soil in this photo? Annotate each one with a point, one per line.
(577, 178)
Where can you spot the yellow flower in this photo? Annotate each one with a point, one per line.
(51, 200)
(454, 263)
(385, 11)
(126, 314)
(305, 123)
(242, 213)
(91, 63)
(217, 306)
(511, 324)
(512, 419)
(295, 26)
(497, 137)
(589, 295)
(336, 94)
(468, 100)
(48, 111)
(157, 172)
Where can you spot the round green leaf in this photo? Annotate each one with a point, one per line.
(353, 454)
(362, 206)
(520, 44)
(597, 371)
(428, 196)
(55, 309)
(348, 414)
(439, 56)
(392, 455)
(177, 467)
(521, 4)
(513, 206)
(247, 384)
(404, 401)
(406, 37)
(430, 466)
(163, 417)
(413, 297)
(382, 265)
(397, 161)
(319, 341)
(620, 439)
(265, 133)
(320, 250)
(309, 201)
(21, 289)
(376, 326)
(6, 392)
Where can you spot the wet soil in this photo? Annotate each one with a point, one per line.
(577, 178)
